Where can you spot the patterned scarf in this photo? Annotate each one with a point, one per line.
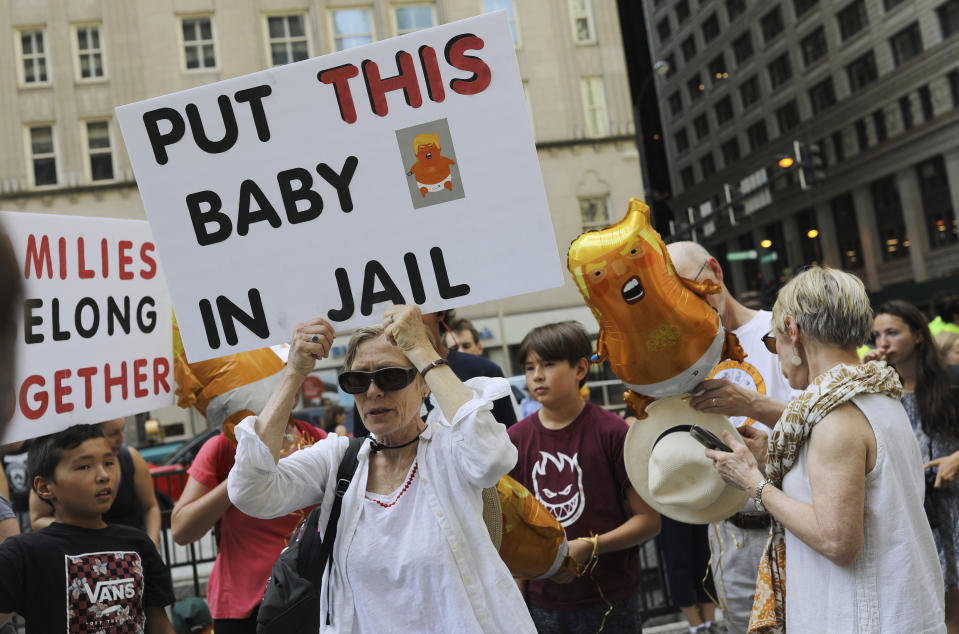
(826, 392)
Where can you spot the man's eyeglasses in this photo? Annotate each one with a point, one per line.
(701, 269)
(387, 379)
(769, 340)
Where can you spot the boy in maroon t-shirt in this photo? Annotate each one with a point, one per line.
(571, 458)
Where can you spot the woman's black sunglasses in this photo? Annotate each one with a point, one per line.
(769, 340)
(387, 379)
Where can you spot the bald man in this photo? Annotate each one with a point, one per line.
(752, 392)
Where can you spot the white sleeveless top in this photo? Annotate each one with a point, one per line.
(895, 585)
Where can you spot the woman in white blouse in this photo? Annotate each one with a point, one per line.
(412, 552)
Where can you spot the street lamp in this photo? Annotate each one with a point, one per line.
(812, 233)
(766, 243)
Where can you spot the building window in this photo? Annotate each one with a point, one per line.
(413, 17)
(936, 202)
(888, 215)
(100, 150)
(953, 77)
(717, 68)
(822, 95)
(594, 105)
(802, 6)
(735, 8)
(508, 6)
(682, 11)
(710, 28)
(43, 156)
(852, 19)
(582, 13)
(749, 91)
(862, 135)
(701, 126)
(743, 47)
(925, 102)
(906, 44)
(354, 27)
(662, 27)
(731, 151)
(847, 231)
(675, 103)
(771, 24)
(708, 165)
(594, 212)
(671, 62)
(862, 71)
(758, 135)
(199, 51)
(89, 52)
(288, 41)
(780, 70)
(33, 52)
(695, 87)
(949, 18)
(787, 117)
(879, 123)
(724, 110)
(686, 177)
(838, 147)
(689, 48)
(813, 46)
(682, 141)
(905, 108)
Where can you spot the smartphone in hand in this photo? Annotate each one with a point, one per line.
(708, 439)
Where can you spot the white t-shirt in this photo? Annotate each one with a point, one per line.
(760, 372)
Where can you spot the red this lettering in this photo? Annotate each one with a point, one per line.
(38, 256)
(431, 69)
(161, 370)
(340, 77)
(457, 58)
(139, 378)
(60, 390)
(145, 249)
(111, 381)
(40, 397)
(405, 80)
(124, 259)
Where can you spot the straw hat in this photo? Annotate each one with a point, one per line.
(668, 467)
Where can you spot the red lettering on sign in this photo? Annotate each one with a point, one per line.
(145, 248)
(60, 390)
(38, 256)
(39, 397)
(139, 377)
(161, 370)
(112, 381)
(125, 260)
(87, 375)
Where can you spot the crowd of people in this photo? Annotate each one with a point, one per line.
(849, 458)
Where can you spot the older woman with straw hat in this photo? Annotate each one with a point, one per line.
(850, 549)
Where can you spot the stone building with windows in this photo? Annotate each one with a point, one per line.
(874, 84)
(68, 63)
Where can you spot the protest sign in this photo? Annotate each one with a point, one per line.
(399, 172)
(94, 338)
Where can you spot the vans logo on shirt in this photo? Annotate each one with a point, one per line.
(558, 485)
(105, 592)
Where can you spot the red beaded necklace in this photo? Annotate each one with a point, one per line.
(409, 481)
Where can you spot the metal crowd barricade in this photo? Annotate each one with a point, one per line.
(175, 556)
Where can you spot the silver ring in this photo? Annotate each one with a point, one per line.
(714, 401)
(315, 339)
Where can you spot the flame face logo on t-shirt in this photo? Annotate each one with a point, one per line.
(558, 485)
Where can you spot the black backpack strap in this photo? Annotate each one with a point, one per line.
(315, 565)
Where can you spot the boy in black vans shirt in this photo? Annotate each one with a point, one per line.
(80, 574)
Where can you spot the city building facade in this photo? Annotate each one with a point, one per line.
(68, 63)
(869, 86)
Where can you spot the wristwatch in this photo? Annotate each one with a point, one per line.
(758, 495)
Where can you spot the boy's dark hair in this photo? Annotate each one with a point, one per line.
(562, 341)
(46, 452)
(465, 324)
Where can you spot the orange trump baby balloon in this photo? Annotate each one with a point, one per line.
(660, 336)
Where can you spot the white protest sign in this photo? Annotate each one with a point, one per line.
(94, 338)
(403, 171)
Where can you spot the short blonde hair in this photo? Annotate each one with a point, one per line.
(829, 306)
(426, 139)
(364, 334)
(946, 340)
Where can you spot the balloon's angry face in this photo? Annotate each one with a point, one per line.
(558, 485)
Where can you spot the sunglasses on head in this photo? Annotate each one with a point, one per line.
(387, 379)
(769, 340)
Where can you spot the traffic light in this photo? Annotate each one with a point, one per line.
(811, 163)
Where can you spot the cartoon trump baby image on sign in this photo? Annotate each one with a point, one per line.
(430, 163)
